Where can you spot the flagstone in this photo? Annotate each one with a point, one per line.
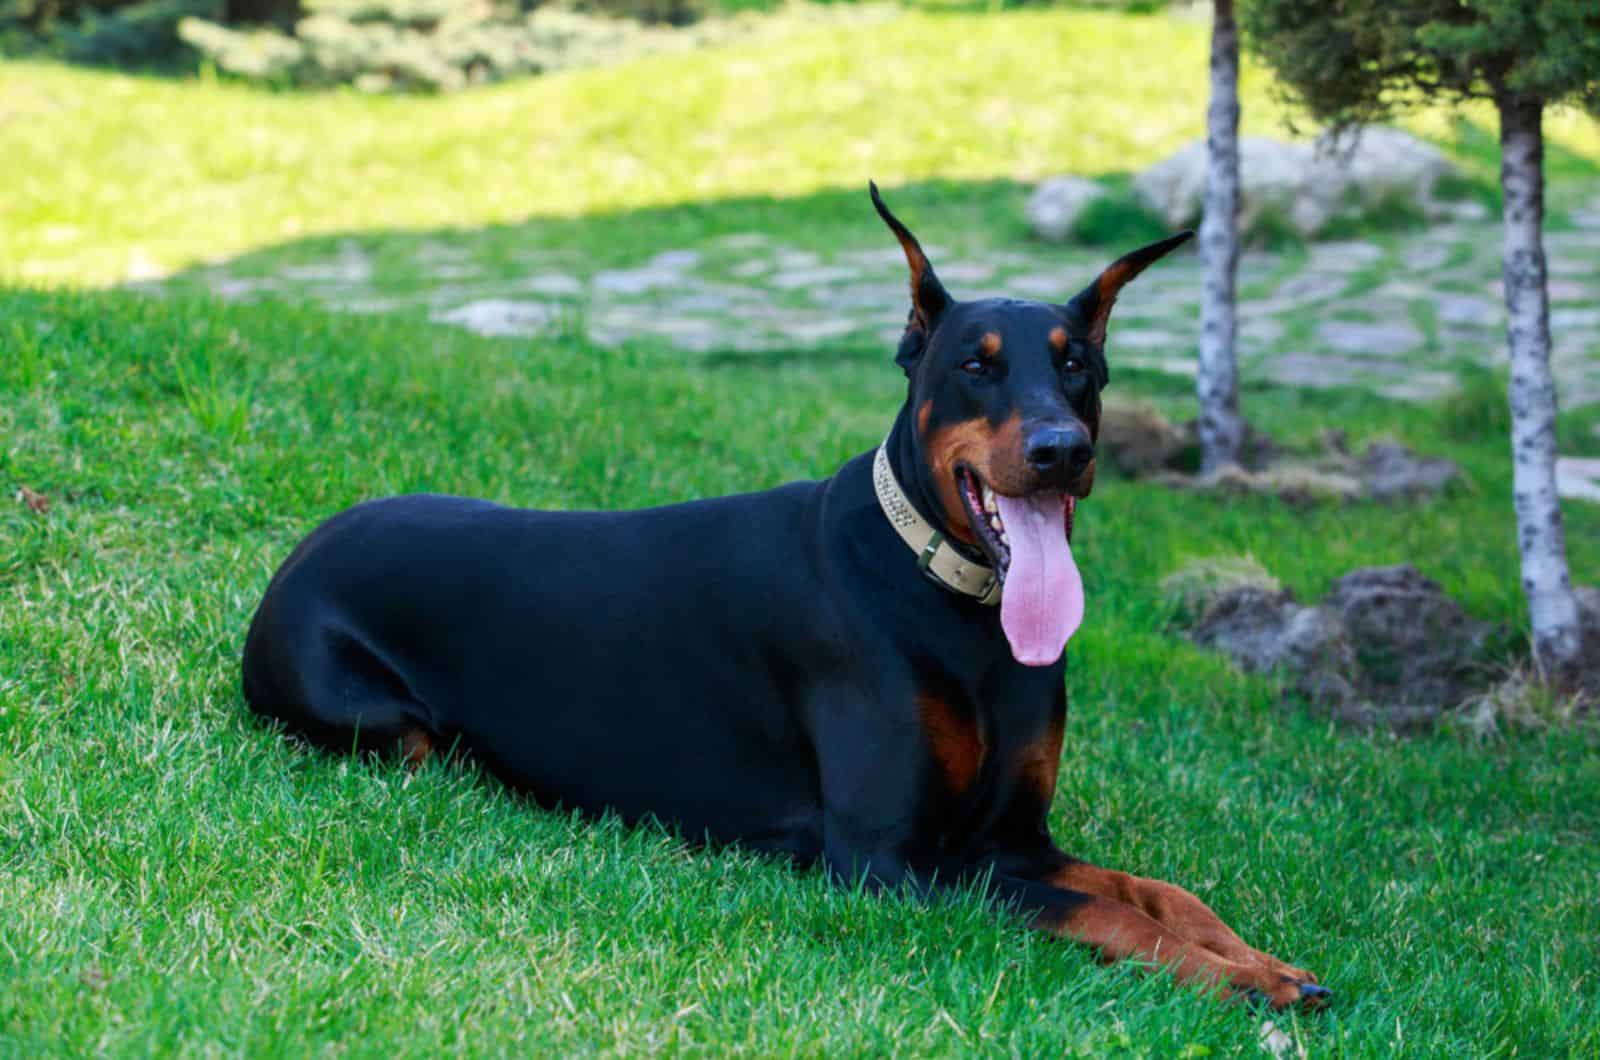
(1390, 338)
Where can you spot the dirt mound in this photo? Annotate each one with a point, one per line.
(1137, 441)
(1386, 647)
(1391, 471)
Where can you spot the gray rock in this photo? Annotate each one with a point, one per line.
(889, 257)
(966, 272)
(1260, 332)
(1045, 285)
(742, 240)
(1576, 347)
(1425, 256)
(553, 283)
(1309, 185)
(1308, 369)
(702, 300)
(1055, 206)
(238, 287)
(1469, 309)
(1468, 210)
(351, 266)
(804, 259)
(792, 279)
(430, 252)
(1309, 287)
(1574, 318)
(1578, 478)
(499, 316)
(676, 259)
(1386, 339)
(637, 281)
(819, 329)
(1420, 387)
(1147, 339)
(1346, 256)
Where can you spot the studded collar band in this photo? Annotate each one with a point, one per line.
(936, 557)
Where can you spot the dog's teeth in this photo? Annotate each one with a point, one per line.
(1004, 540)
(990, 505)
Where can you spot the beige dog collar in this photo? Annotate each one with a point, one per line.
(935, 556)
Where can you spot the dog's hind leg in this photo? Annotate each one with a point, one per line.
(334, 688)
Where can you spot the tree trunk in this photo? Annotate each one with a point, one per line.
(1552, 607)
(1217, 383)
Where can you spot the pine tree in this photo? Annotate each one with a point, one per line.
(1352, 61)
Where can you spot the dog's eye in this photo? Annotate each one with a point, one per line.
(1073, 366)
(974, 366)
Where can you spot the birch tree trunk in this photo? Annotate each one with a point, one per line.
(1552, 607)
(1217, 382)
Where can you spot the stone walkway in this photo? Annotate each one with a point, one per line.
(1401, 315)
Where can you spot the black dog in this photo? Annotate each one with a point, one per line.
(818, 670)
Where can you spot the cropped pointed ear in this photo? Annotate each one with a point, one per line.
(1093, 303)
(928, 296)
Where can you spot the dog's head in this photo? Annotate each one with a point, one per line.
(1005, 405)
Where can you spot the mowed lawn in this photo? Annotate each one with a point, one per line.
(173, 874)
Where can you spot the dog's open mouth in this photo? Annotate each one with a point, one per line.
(1027, 540)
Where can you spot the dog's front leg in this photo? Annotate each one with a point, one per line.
(1186, 917)
(1119, 931)
(1115, 929)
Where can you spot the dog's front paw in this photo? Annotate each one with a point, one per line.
(1287, 992)
(1300, 991)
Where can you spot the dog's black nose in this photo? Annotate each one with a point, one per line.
(1059, 452)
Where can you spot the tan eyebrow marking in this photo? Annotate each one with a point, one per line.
(989, 345)
(1058, 337)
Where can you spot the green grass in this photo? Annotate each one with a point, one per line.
(173, 876)
(108, 175)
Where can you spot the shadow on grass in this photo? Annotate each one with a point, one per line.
(955, 210)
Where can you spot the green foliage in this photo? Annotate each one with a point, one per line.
(139, 34)
(1118, 220)
(1362, 60)
(441, 45)
(411, 44)
(129, 33)
(1478, 409)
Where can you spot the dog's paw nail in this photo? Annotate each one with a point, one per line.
(1313, 992)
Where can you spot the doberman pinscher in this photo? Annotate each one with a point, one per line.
(820, 670)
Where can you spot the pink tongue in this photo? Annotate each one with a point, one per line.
(1042, 603)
